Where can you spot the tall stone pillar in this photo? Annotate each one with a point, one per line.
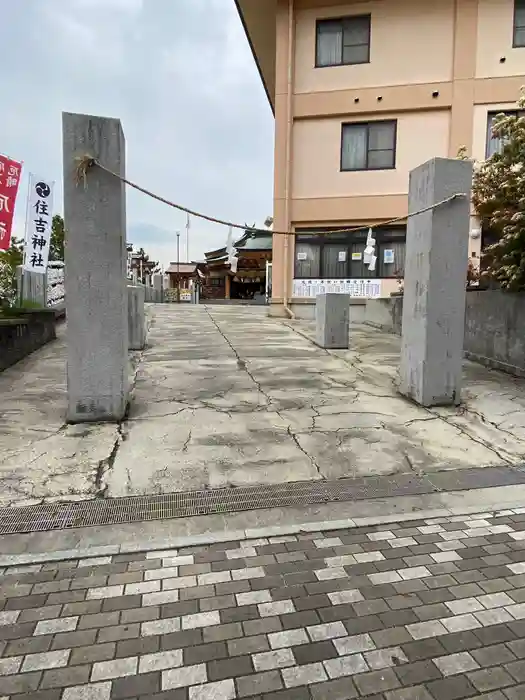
(159, 288)
(96, 265)
(435, 283)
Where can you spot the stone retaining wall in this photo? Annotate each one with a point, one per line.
(494, 327)
(23, 334)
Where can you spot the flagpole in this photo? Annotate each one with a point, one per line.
(26, 229)
(26, 243)
(188, 237)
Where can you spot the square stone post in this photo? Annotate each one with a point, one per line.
(332, 318)
(96, 267)
(158, 287)
(31, 287)
(136, 318)
(435, 283)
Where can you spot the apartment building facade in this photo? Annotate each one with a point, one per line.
(363, 91)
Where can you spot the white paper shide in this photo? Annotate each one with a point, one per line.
(38, 224)
(369, 257)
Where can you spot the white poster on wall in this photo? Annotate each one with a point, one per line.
(38, 224)
(388, 256)
(341, 256)
(358, 288)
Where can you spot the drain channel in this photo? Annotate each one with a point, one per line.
(114, 511)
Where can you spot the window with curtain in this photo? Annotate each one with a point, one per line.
(335, 260)
(344, 41)
(519, 23)
(323, 255)
(391, 258)
(495, 143)
(358, 269)
(307, 260)
(368, 146)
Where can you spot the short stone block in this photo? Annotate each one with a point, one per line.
(136, 318)
(332, 317)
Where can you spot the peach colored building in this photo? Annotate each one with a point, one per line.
(364, 91)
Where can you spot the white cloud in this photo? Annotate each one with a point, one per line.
(180, 76)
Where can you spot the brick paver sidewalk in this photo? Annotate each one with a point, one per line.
(426, 610)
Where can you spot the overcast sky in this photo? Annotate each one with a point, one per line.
(180, 76)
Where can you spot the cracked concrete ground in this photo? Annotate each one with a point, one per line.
(41, 458)
(224, 395)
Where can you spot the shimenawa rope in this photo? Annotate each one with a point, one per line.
(86, 162)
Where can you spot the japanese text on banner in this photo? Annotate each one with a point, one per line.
(10, 173)
(38, 225)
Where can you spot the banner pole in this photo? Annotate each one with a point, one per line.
(22, 271)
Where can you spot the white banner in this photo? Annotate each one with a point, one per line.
(360, 288)
(38, 224)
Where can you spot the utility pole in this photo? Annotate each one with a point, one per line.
(178, 267)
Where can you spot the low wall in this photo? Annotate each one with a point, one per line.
(495, 330)
(494, 327)
(151, 295)
(23, 334)
(385, 314)
(304, 309)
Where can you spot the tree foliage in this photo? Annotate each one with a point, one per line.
(56, 248)
(9, 261)
(498, 195)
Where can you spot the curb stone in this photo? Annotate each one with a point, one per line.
(241, 535)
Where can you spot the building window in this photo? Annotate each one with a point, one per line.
(307, 258)
(323, 255)
(216, 281)
(369, 146)
(519, 23)
(344, 41)
(495, 144)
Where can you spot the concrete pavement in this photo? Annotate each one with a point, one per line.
(227, 396)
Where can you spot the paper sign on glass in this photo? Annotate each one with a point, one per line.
(388, 256)
(342, 256)
(301, 256)
(357, 256)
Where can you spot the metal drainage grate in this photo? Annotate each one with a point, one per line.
(113, 511)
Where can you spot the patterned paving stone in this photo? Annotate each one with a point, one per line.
(426, 610)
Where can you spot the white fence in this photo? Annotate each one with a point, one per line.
(55, 290)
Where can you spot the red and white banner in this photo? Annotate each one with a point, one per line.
(10, 174)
